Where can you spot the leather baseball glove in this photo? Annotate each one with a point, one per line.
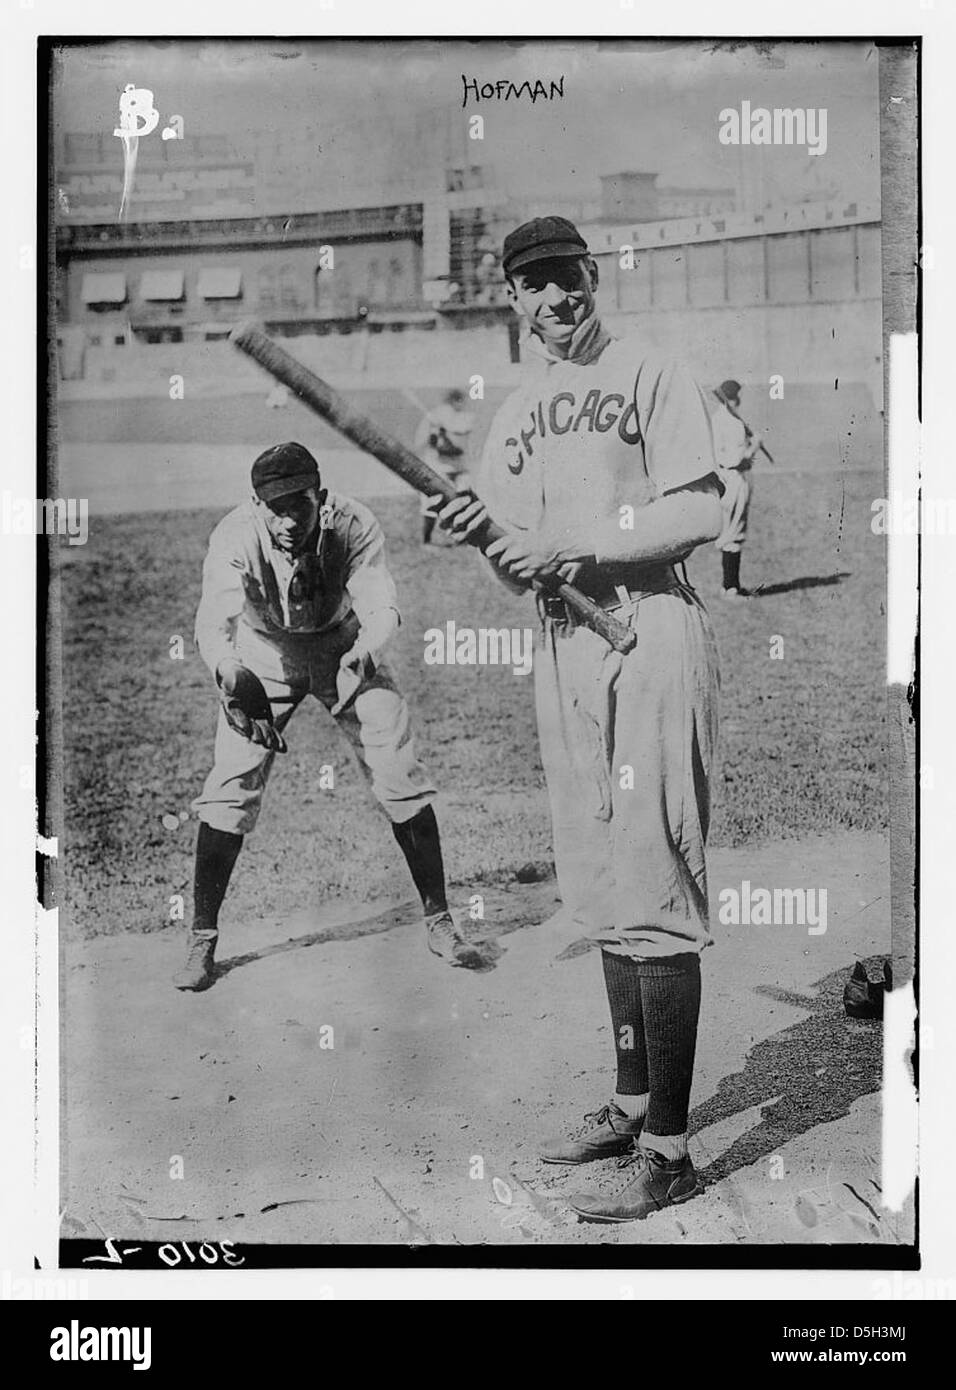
(246, 705)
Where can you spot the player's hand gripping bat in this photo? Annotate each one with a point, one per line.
(762, 448)
(251, 339)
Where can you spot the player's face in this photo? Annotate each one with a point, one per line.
(555, 296)
(292, 519)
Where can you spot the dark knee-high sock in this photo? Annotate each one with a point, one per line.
(623, 983)
(731, 563)
(420, 843)
(216, 854)
(670, 997)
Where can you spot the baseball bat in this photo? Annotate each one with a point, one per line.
(252, 339)
(737, 416)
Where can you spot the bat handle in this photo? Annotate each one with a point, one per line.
(617, 634)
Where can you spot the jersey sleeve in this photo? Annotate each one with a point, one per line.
(223, 597)
(368, 580)
(493, 495)
(676, 425)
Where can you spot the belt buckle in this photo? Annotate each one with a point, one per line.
(554, 607)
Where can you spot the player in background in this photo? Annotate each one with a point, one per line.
(602, 465)
(296, 600)
(441, 441)
(735, 446)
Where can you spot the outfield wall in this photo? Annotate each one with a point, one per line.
(806, 343)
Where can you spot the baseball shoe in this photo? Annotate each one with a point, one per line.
(198, 971)
(737, 593)
(605, 1133)
(444, 939)
(658, 1183)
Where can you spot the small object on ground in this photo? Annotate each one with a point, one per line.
(863, 997)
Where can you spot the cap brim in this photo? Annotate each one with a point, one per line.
(281, 487)
(548, 252)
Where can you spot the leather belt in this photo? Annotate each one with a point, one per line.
(619, 596)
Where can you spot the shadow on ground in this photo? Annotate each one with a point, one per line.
(391, 917)
(810, 1073)
(810, 581)
(813, 1072)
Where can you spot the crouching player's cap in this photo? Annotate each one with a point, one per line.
(541, 239)
(283, 469)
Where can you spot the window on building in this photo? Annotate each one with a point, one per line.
(165, 286)
(160, 335)
(103, 289)
(220, 282)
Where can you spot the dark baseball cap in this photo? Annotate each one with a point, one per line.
(730, 390)
(283, 469)
(541, 239)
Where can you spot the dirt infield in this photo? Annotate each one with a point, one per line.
(434, 1082)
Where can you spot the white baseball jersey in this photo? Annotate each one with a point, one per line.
(250, 584)
(577, 443)
(735, 449)
(291, 620)
(733, 446)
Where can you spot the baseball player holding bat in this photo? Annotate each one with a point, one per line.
(603, 467)
(297, 599)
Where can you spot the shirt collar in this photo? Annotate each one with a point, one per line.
(588, 341)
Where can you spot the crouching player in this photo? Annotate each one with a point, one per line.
(297, 600)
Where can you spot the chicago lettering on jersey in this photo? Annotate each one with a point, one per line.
(563, 415)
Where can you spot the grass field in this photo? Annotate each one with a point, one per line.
(802, 737)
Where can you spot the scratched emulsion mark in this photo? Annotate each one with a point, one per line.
(138, 117)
